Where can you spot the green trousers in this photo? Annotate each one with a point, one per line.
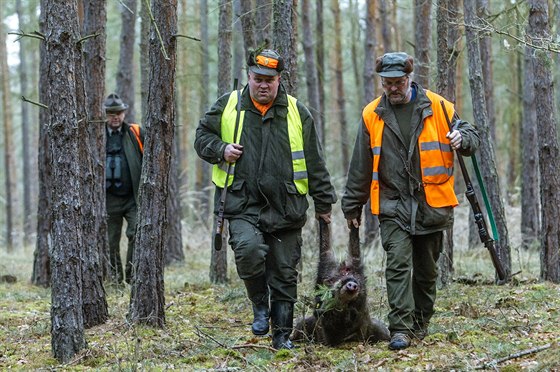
(411, 275)
(272, 255)
(120, 208)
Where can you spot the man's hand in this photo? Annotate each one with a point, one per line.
(324, 216)
(353, 222)
(455, 139)
(232, 152)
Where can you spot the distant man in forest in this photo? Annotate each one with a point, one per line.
(403, 162)
(124, 150)
(277, 160)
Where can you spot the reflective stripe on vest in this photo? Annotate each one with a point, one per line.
(436, 156)
(295, 134)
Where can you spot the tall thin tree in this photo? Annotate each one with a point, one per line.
(63, 51)
(28, 228)
(371, 222)
(147, 301)
(538, 31)
(125, 71)
(9, 147)
(41, 275)
(486, 150)
(285, 35)
(339, 82)
(422, 41)
(94, 224)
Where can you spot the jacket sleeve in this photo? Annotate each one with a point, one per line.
(208, 142)
(320, 187)
(470, 137)
(357, 190)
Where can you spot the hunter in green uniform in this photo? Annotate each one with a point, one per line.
(403, 161)
(277, 160)
(124, 148)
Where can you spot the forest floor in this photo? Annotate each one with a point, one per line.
(478, 325)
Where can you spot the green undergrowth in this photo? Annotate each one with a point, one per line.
(477, 324)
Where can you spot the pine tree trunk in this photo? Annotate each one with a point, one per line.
(125, 72)
(63, 51)
(285, 33)
(530, 197)
(422, 41)
(247, 16)
(311, 68)
(28, 230)
(486, 150)
(93, 172)
(320, 51)
(10, 175)
(371, 222)
(538, 30)
(339, 90)
(147, 302)
(41, 275)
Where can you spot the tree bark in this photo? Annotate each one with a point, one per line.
(9, 148)
(422, 41)
(486, 150)
(147, 302)
(538, 30)
(248, 24)
(263, 21)
(285, 41)
(125, 71)
(371, 222)
(92, 163)
(41, 275)
(384, 15)
(311, 80)
(224, 48)
(320, 51)
(530, 198)
(28, 180)
(173, 252)
(339, 81)
(203, 169)
(63, 52)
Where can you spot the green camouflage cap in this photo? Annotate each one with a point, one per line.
(393, 65)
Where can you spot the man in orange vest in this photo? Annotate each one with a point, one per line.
(124, 150)
(403, 161)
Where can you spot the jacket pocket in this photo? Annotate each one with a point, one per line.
(237, 197)
(388, 207)
(434, 217)
(295, 205)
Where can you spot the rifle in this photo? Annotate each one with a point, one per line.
(478, 217)
(220, 218)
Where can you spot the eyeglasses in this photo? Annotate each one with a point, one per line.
(398, 83)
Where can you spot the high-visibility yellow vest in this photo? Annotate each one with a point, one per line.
(295, 133)
(436, 155)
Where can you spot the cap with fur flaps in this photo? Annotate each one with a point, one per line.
(394, 65)
(266, 62)
(114, 103)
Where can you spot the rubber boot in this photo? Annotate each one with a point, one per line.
(282, 315)
(257, 291)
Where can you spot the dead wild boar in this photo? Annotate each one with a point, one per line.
(340, 313)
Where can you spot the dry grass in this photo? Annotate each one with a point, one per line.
(208, 326)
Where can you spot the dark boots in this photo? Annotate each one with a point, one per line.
(257, 290)
(281, 314)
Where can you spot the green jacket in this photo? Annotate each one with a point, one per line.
(402, 198)
(263, 191)
(134, 155)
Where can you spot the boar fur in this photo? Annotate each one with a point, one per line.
(340, 313)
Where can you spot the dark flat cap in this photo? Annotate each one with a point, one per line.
(392, 65)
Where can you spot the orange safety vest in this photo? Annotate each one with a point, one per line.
(436, 155)
(135, 128)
